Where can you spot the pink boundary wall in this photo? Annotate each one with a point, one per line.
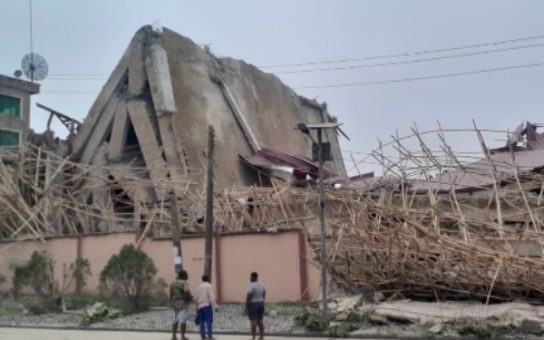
(280, 258)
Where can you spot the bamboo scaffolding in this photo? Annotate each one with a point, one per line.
(415, 237)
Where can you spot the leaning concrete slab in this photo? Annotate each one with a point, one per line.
(102, 128)
(149, 145)
(118, 134)
(160, 83)
(136, 72)
(101, 101)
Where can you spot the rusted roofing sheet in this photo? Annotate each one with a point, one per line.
(302, 166)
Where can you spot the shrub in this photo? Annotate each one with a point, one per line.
(36, 273)
(129, 274)
(311, 322)
(44, 305)
(338, 331)
(474, 330)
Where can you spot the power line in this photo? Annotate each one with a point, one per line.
(405, 54)
(408, 54)
(436, 76)
(91, 76)
(379, 82)
(402, 62)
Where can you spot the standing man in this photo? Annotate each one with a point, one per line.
(180, 297)
(205, 299)
(255, 305)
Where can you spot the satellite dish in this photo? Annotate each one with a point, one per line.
(18, 73)
(34, 67)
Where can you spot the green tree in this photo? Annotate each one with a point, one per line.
(129, 274)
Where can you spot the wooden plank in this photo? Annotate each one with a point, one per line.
(149, 145)
(118, 134)
(103, 127)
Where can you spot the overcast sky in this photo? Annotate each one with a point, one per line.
(85, 39)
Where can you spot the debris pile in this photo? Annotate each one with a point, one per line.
(521, 316)
(427, 240)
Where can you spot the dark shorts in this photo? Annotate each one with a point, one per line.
(256, 311)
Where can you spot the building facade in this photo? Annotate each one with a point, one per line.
(15, 110)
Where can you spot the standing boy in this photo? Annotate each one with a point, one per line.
(180, 297)
(255, 305)
(205, 299)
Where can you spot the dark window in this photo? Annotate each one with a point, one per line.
(10, 106)
(9, 138)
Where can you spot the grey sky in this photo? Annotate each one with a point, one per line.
(88, 38)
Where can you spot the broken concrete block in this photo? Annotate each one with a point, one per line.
(348, 303)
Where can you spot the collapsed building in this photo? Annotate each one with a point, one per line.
(154, 111)
(436, 225)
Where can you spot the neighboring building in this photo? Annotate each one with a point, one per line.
(15, 110)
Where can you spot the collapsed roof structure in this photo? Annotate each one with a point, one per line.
(436, 225)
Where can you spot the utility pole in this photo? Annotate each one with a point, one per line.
(305, 128)
(209, 207)
(176, 233)
(325, 314)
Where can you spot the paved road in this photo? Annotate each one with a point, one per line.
(46, 334)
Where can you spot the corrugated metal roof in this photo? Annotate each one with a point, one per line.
(302, 166)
